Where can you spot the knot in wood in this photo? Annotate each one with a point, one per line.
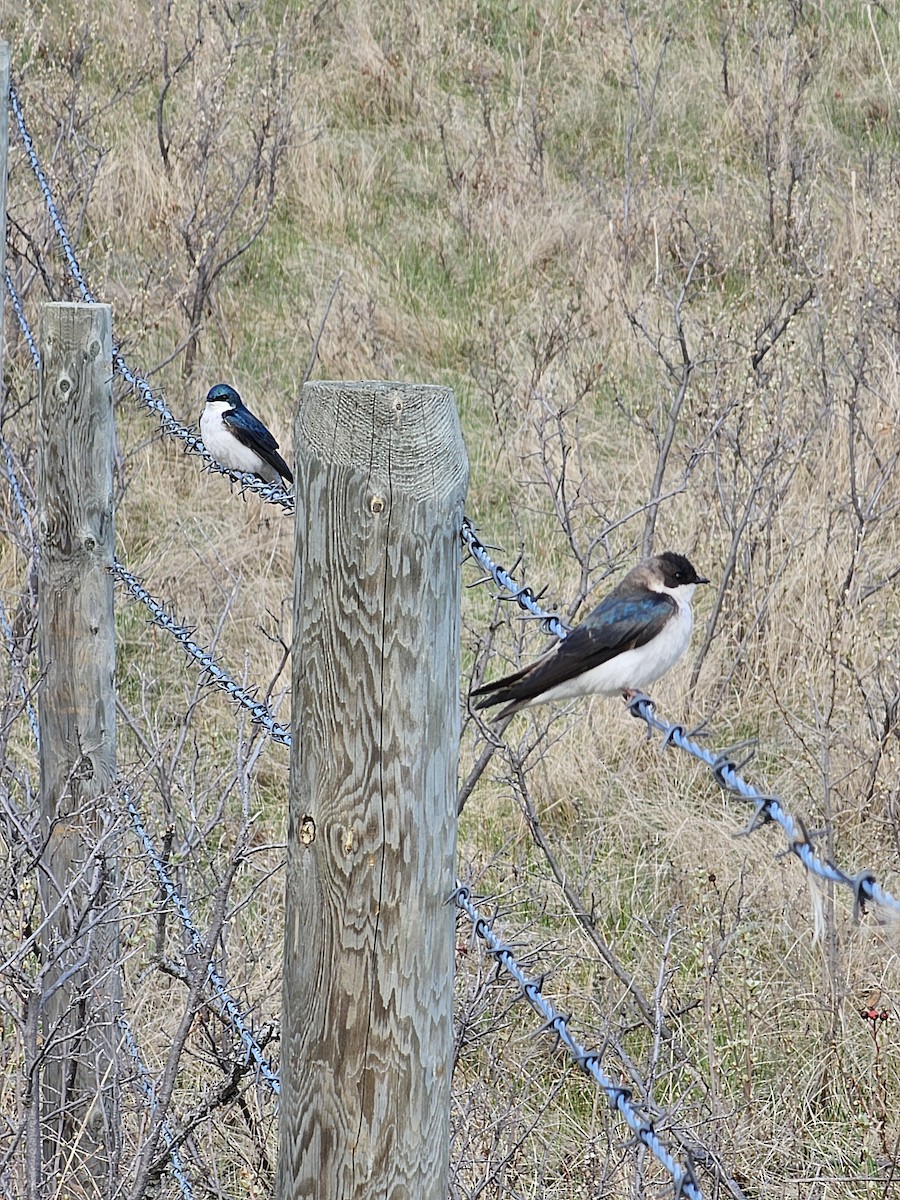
(84, 768)
(307, 831)
(376, 504)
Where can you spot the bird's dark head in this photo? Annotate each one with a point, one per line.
(223, 393)
(676, 570)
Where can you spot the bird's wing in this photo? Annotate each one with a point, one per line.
(618, 623)
(252, 433)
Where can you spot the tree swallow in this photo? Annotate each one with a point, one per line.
(237, 439)
(633, 636)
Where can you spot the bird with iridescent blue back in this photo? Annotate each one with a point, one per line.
(634, 635)
(237, 439)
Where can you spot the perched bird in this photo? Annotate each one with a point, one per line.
(237, 439)
(633, 636)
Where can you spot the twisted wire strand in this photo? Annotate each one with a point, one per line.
(16, 302)
(64, 241)
(8, 633)
(10, 638)
(142, 1077)
(227, 1004)
(272, 493)
(767, 808)
(523, 596)
(145, 1086)
(556, 1023)
(16, 488)
(260, 713)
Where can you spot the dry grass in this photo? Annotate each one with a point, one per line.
(515, 199)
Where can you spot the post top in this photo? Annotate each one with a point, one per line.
(74, 304)
(403, 435)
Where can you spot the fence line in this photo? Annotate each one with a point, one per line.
(142, 1078)
(767, 808)
(145, 1086)
(272, 493)
(259, 712)
(589, 1060)
(228, 1005)
(864, 884)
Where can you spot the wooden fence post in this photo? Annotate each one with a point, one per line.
(366, 1053)
(76, 642)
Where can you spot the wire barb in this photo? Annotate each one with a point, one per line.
(618, 1096)
(272, 493)
(724, 770)
(260, 713)
(145, 1086)
(227, 1005)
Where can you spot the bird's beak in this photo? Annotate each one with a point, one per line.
(700, 579)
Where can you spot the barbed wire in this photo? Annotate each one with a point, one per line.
(16, 489)
(260, 713)
(227, 1003)
(30, 151)
(145, 1086)
(272, 493)
(767, 808)
(229, 1007)
(523, 596)
(10, 638)
(8, 633)
(142, 1077)
(23, 320)
(556, 1023)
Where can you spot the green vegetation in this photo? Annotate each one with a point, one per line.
(559, 209)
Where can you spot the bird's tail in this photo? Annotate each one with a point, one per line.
(512, 691)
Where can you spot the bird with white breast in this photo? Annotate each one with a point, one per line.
(237, 439)
(635, 634)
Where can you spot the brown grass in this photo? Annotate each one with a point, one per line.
(515, 199)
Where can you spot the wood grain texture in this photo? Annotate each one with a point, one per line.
(76, 641)
(368, 972)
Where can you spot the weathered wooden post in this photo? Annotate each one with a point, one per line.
(381, 477)
(76, 641)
